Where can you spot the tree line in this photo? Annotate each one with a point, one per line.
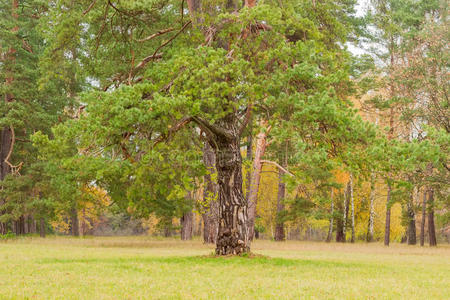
(170, 107)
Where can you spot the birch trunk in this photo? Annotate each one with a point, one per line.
(353, 208)
(387, 225)
(371, 209)
(330, 227)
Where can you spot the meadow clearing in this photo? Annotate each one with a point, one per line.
(151, 268)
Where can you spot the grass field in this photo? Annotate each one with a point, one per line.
(148, 268)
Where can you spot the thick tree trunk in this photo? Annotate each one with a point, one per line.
(255, 180)
(387, 227)
(411, 222)
(233, 233)
(371, 209)
(353, 208)
(431, 228)
(330, 227)
(187, 226)
(224, 138)
(422, 222)
(210, 215)
(42, 228)
(279, 227)
(75, 226)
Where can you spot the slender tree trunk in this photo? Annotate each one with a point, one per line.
(249, 158)
(431, 228)
(346, 209)
(6, 142)
(32, 224)
(371, 208)
(74, 222)
(411, 222)
(340, 238)
(22, 225)
(210, 216)
(387, 228)
(26, 224)
(422, 222)
(279, 227)
(187, 226)
(255, 180)
(330, 227)
(42, 227)
(168, 228)
(353, 208)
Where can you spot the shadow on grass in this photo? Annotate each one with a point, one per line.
(209, 261)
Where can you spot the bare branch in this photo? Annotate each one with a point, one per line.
(172, 38)
(172, 130)
(148, 59)
(14, 169)
(161, 32)
(89, 8)
(278, 166)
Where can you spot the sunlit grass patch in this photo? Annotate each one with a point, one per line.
(146, 268)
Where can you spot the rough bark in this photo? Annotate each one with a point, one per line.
(431, 227)
(371, 209)
(330, 227)
(422, 222)
(187, 226)
(255, 180)
(224, 137)
(411, 222)
(210, 215)
(387, 227)
(233, 233)
(353, 208)
(279, 227)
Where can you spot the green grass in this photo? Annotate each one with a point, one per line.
(146, 268)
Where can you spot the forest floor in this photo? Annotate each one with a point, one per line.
(151, 268)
